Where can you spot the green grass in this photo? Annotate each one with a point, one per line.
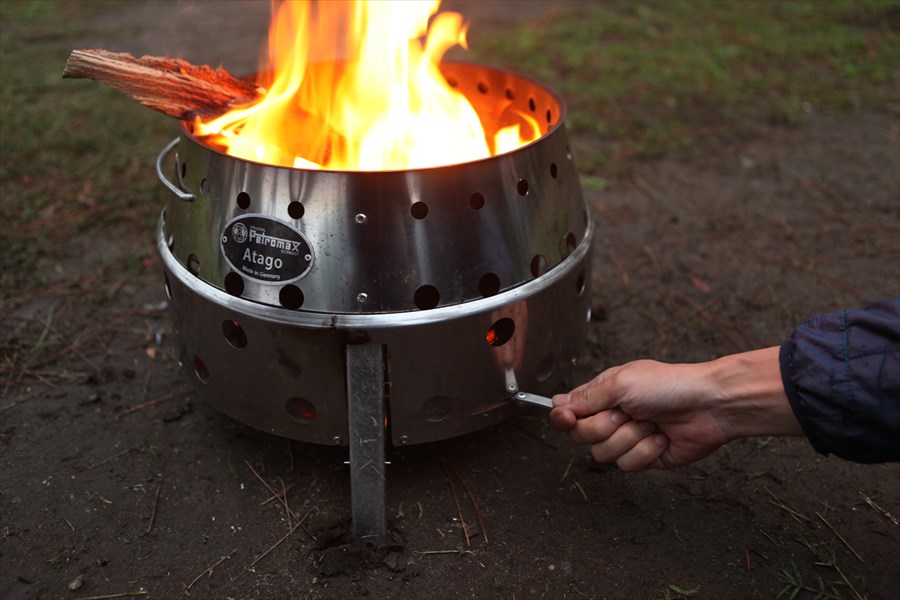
(647, 79)
(75, 154)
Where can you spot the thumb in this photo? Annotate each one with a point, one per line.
(592, 397)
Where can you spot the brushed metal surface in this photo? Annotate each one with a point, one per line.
(504, 247)
(487, 221)
(366, 418)
(262, 365)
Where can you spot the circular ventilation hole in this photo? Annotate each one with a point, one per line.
(452, 82)
(476, 201)
(571, 243)
(580, 283)
(164, 217)
(183, 170)
(531, 105)
(168, 287)
(545, 368)
(522, 187)
(234, 284)
(291, 297)
(482, 87)
(436, 408)
(554, 171)
(426, 297)
(510, 95)
(538, 265)
(300, 409)
(193, 264)
(500, 332)
(170, 241)
(243, 200)
(549, 116)
(204, 186)
(234, 334)
(200, 369)
(488, 285)
(419, 210)
(295, 210)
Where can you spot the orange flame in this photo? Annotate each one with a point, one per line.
(378, 103)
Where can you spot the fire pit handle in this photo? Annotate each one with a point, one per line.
(534, 399)
(513, 388)
(187, 197)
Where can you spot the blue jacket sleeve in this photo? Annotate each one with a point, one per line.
(841, 372)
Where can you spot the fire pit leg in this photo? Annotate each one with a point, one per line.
(365, 407)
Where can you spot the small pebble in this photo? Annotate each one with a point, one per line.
(76, 583)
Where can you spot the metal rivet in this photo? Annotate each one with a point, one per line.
(360, 218)
(404, 439)
(512, 388)
(362, 297)
(337, 440)
(574, 361)
(521, 396)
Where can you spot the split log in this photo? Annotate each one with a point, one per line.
(171, 86)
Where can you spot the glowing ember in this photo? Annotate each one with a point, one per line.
(380, 104)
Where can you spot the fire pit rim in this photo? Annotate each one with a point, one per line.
(379, 320)
(186, 129)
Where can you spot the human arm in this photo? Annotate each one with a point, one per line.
(837, 380)
(841, 371)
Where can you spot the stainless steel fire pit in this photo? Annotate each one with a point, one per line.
(347, 307)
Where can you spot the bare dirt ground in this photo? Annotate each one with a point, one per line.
(117, 480)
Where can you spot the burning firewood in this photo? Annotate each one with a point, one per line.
(171, 86)
(182, 90)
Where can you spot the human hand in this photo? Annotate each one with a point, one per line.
(644, 414)
(648, 414)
